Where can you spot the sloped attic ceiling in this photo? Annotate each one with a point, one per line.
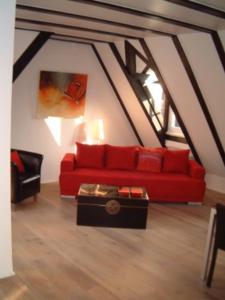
(118, 19)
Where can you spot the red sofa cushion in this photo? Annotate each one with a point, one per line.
(176, 161)
(160, 150)
(90, 156)
(15, 158)
(149, 160)
(121, 157)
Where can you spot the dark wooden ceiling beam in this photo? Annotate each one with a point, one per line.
(29, 53)
(130, 58)
(136, 52)
(219, 47)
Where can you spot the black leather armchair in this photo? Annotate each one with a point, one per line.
(27, 184)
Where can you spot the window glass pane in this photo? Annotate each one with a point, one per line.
(157, 95)
(173, 125)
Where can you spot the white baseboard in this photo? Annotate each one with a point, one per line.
(6, 275)
(215, 182)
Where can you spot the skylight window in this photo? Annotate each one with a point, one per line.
(158, 107)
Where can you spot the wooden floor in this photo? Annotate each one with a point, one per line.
(56, 259)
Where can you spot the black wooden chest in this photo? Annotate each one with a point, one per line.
(103, 205)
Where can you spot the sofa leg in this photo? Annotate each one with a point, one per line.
(194, 203)
(35, 197)
(67, 197)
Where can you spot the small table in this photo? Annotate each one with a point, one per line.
(109, 206)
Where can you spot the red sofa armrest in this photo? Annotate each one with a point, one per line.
(68, 162)
(196, 170)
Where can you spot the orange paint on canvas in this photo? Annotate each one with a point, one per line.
(62, 94)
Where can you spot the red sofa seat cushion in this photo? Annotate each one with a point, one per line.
(160, 186)
(150, 160)
(15, 158)
(120, 157)
(90, 156)
(176, 161)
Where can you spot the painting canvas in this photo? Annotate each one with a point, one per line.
(61, 94)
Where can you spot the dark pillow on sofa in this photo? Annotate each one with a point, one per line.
(90, 156)
(149, 160)
(121, 157)
(176, 161)
(15, 158)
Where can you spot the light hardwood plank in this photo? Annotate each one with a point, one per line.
(56, 259)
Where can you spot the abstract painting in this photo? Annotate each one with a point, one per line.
(61, 94)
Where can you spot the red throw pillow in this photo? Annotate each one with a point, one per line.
(15, 158)
(149, 160)
(90, 156)
(121, 157)
(176, 161)
(160, 150)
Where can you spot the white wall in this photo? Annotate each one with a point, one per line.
(204, 61)
(34, 134)
(7, 15)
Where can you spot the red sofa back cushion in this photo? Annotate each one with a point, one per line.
(149, 160)
(176, 161)
(15, 158)
(121, 157)
(90, 156)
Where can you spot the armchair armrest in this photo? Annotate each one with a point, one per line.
(196, 170)
(68, 163)
(14, 172)
(15, 182)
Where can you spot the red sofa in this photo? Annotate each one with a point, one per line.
(168, 175)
